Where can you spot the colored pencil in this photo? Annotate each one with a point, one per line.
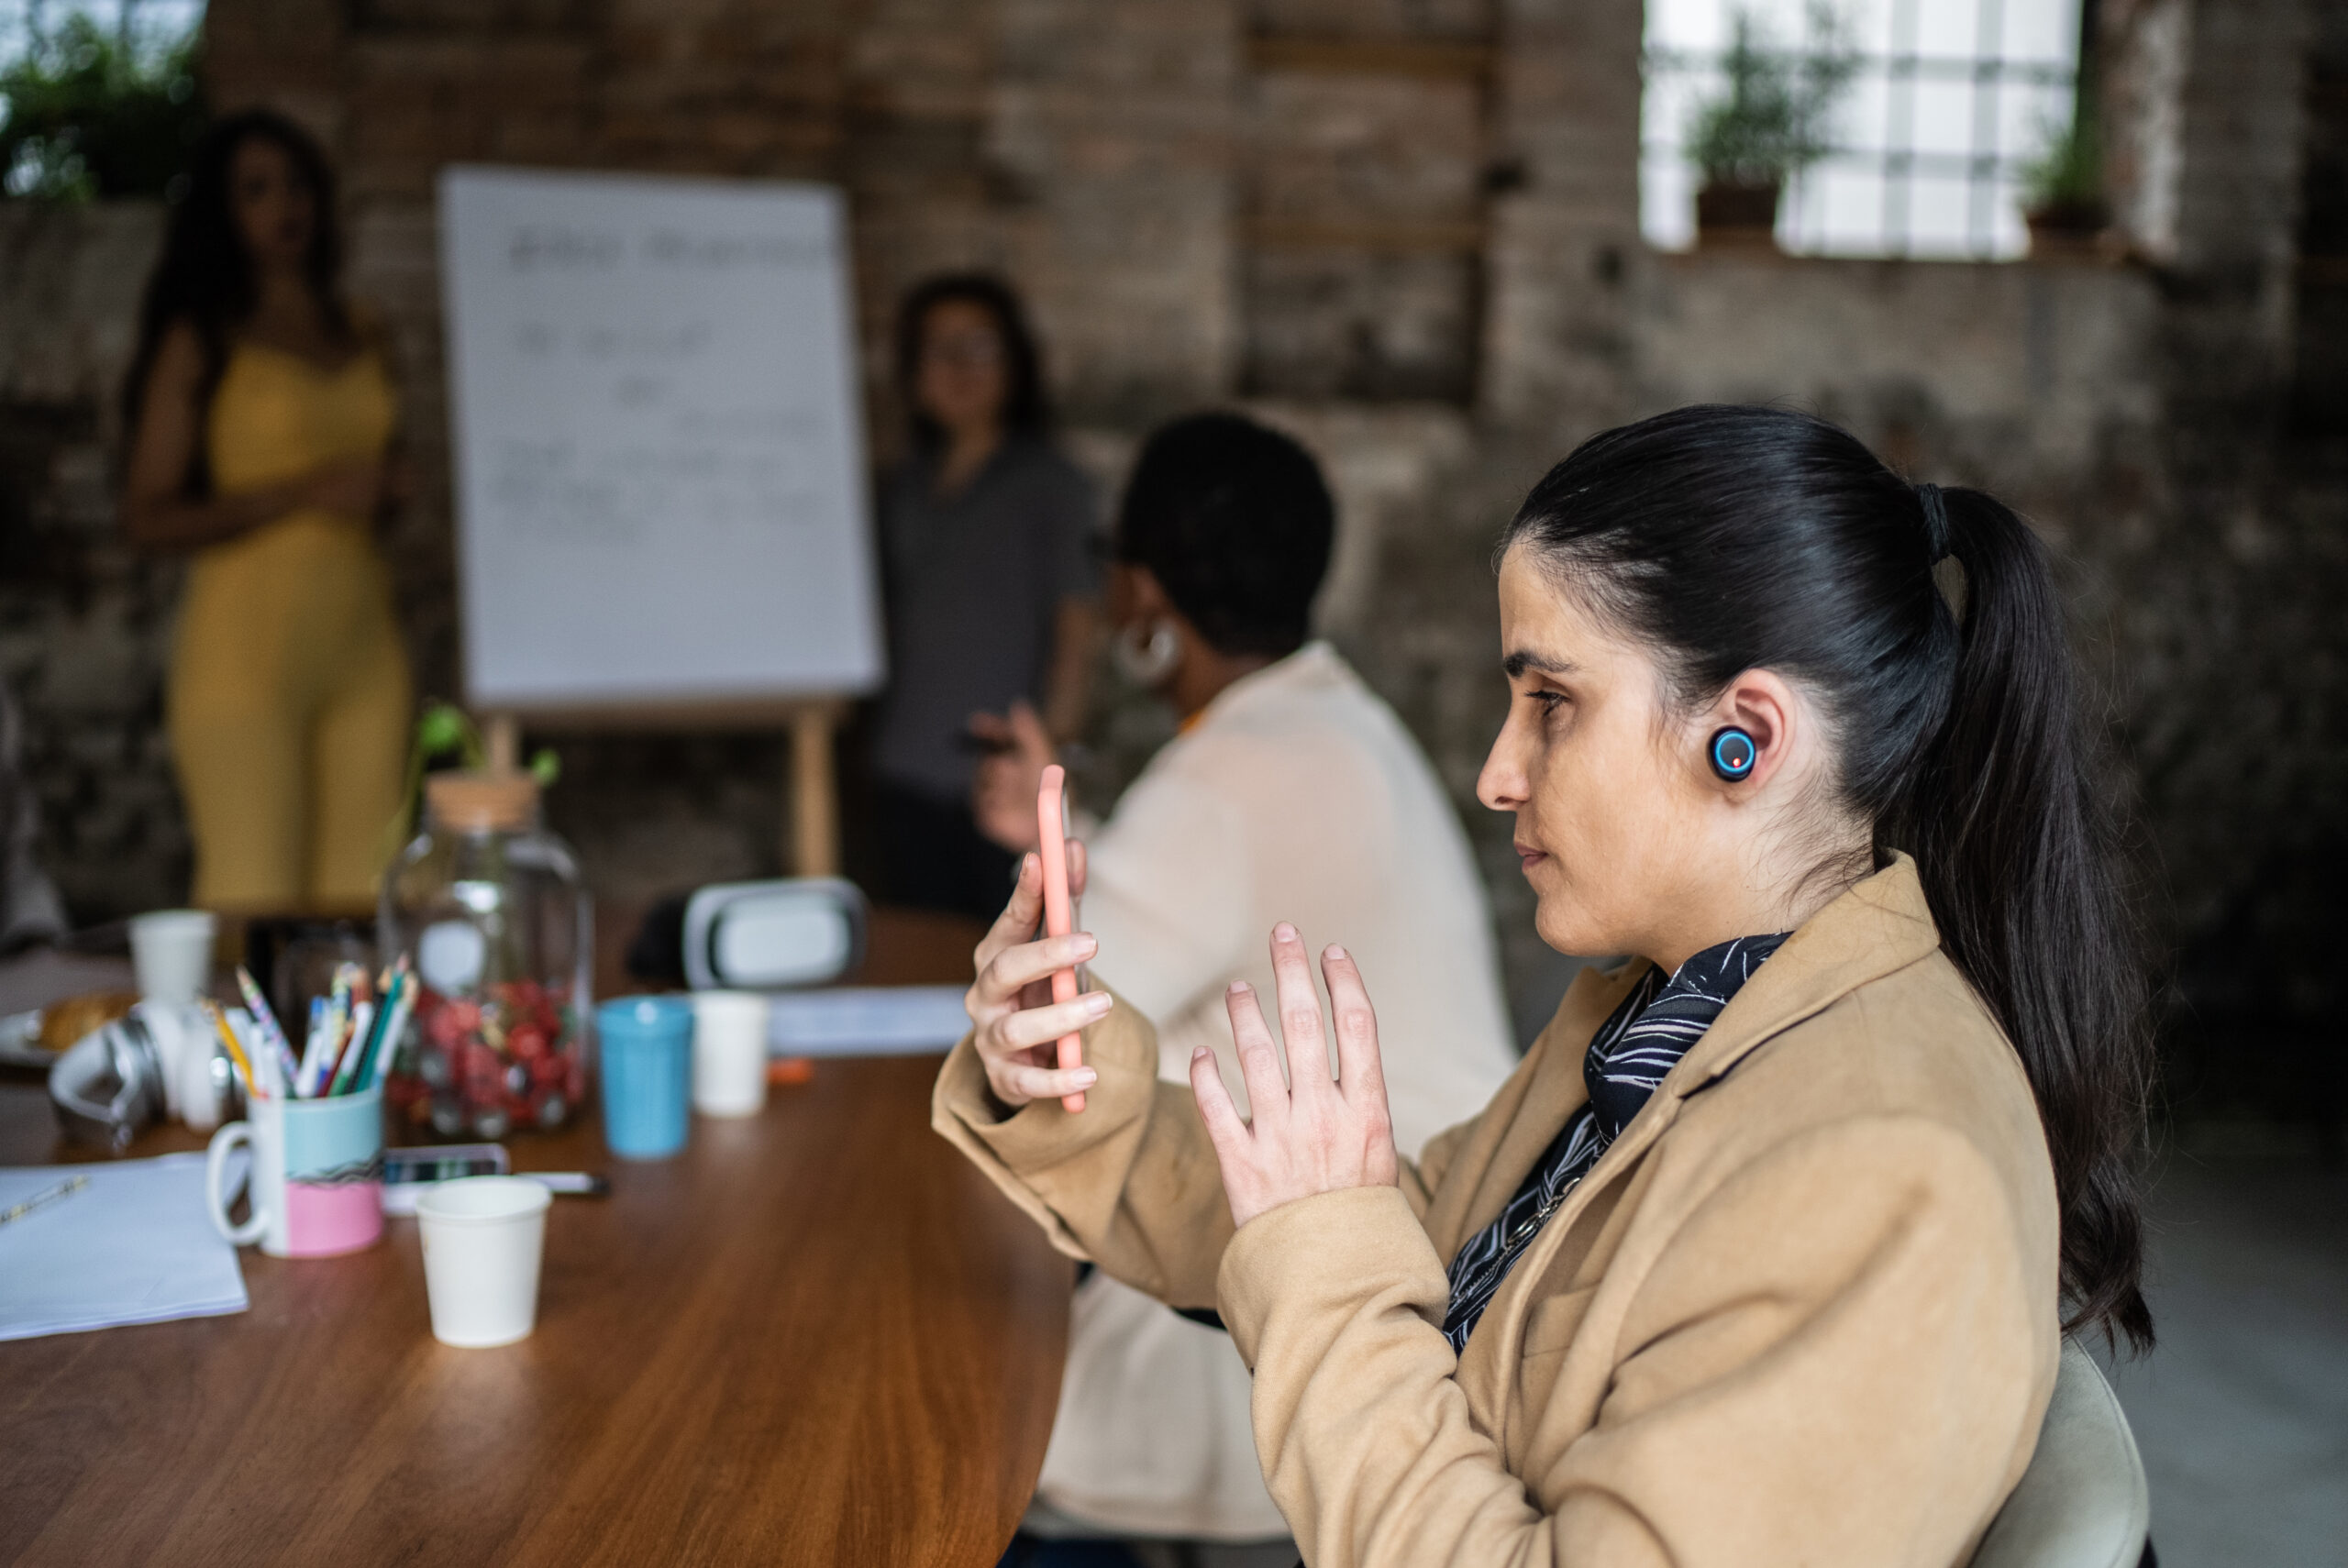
(378, 1066)
(346, 1070)
(337, 1023)
(271, 1034)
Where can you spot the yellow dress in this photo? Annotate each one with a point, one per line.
(290, 697)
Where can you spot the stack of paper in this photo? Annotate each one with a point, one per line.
(866, 1021)
(135, 1246)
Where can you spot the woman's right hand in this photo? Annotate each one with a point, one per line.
(1017, 1024)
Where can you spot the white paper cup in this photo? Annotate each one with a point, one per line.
(170, 952)
(482, 1238)
(729, 1053)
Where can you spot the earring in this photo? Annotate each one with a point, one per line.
(1734, 754)
(1147, 664)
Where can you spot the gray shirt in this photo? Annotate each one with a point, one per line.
(974, 583)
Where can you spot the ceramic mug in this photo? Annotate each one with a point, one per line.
(316, 1177)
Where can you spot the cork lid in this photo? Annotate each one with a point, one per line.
(488, 801)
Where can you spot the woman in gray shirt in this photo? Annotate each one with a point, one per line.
(992, 581)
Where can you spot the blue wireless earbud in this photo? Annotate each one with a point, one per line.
(1734, 754)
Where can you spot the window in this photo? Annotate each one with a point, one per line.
(1951, 102)
(98, 97)
(151, 25)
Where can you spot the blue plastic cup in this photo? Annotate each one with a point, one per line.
(648, 1073)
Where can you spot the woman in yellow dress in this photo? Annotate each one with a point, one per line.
(262, 414)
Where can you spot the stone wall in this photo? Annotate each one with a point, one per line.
(1406, 230)
(83, 619)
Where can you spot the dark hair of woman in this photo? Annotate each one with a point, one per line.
(1025, 410)
(1235, 523)
(1729, 539)
(206, 277)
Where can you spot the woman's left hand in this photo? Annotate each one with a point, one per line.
(1312, 1133)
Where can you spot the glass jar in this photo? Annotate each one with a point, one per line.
(487, 909)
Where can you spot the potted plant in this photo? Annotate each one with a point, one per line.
(1772, 119)
(2063, 191)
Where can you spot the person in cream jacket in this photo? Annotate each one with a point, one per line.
(1208, 846)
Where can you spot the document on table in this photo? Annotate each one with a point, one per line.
(135, 1246)
(865, 1021)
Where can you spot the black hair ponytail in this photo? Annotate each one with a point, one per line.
(1732, 538)
(2017, 857)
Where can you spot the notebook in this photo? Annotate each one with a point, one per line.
(135, 1246)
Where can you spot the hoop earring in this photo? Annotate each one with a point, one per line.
(1147, 664)
(1733, 754)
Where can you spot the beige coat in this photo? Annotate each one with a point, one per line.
(1803, 1312)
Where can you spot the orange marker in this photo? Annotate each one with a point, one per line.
(1051, 820)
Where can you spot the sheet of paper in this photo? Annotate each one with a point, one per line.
(135, 1246)
(866, 1021)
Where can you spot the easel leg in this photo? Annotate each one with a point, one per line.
(814, 845)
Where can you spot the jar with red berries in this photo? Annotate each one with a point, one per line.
(486, 909)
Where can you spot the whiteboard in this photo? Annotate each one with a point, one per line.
(659, 462)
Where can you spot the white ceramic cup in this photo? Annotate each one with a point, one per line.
(170, 952)
(729, 1053)
(482, 1238)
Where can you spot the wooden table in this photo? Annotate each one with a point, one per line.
(816, 1337)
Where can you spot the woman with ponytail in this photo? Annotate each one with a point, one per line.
(1765, 1253)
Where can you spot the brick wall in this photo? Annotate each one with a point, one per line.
(83, 619)
(1407, 230)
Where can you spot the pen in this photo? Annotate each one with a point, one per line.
(314, 1047)
(345, 1072)
(580, 1184)
(65, 1189)
(351, 1076)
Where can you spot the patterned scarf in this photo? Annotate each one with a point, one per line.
(1630, 1054)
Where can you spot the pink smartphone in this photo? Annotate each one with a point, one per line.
(1059, 917)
